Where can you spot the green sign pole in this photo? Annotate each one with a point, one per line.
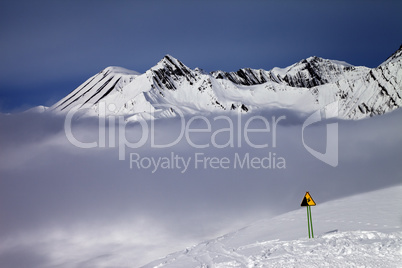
(308, 222)
(311, 223)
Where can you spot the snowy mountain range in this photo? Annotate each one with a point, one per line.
(305, 86)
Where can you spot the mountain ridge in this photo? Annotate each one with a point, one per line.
(305, 86)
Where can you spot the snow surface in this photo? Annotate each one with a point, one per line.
(364, 230)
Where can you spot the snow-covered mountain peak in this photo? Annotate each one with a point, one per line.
(170, 62)
(312, 59)
(321, 61)
(315, 71)
(169, 73)
(316, 62)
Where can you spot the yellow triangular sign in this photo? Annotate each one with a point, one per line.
(307, 200)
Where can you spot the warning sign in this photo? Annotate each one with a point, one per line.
(307, 200)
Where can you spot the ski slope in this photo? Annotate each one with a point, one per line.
(364, 230)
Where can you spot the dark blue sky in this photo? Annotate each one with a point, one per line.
(48, 48)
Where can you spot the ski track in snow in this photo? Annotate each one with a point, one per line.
(344, 249)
